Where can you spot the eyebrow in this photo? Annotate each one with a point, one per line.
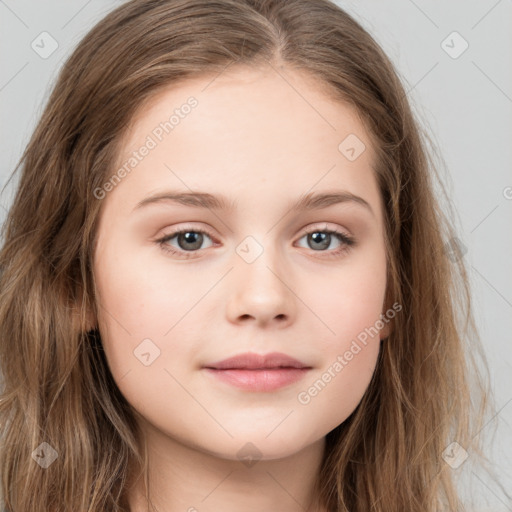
(311, 201)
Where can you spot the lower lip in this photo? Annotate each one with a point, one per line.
(260, 380)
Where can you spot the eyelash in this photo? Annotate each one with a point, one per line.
(346, 241)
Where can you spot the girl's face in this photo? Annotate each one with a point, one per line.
(246, 154)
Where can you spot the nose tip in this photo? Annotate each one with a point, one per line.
(260, 294)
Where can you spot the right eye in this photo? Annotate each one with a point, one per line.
(189, 241)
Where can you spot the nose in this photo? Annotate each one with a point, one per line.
(261, 292)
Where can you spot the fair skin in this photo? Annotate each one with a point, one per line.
(255, 140)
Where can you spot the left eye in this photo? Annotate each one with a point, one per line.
(322, 238)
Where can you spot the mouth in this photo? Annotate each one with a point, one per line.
(255, 372)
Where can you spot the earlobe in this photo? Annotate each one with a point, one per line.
(387, 319)
(385, 331)
(89, 321)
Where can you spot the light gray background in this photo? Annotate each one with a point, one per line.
(465, 102)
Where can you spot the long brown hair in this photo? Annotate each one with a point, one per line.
(388, 455)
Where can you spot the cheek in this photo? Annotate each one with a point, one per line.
(145, 319)
(148, 295)
(348, 300)
(334, 393)
(350, 307)
(143, 310)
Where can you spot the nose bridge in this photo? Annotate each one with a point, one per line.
(258, 261)
(259, 286)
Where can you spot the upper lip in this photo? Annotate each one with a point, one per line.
(252, 361)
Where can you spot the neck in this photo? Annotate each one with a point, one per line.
(185, 478)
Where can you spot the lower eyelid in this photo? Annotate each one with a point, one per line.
(346, 241)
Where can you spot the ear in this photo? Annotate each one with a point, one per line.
(386, 330)
(389, 304)
(89, 322)
(387, 320)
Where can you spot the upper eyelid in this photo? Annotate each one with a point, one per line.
(304, 231)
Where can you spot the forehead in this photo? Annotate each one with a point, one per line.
(266, 100)
(250, 127)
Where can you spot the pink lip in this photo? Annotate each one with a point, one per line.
(255, 372)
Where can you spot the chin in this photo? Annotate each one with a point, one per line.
(257, 446)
